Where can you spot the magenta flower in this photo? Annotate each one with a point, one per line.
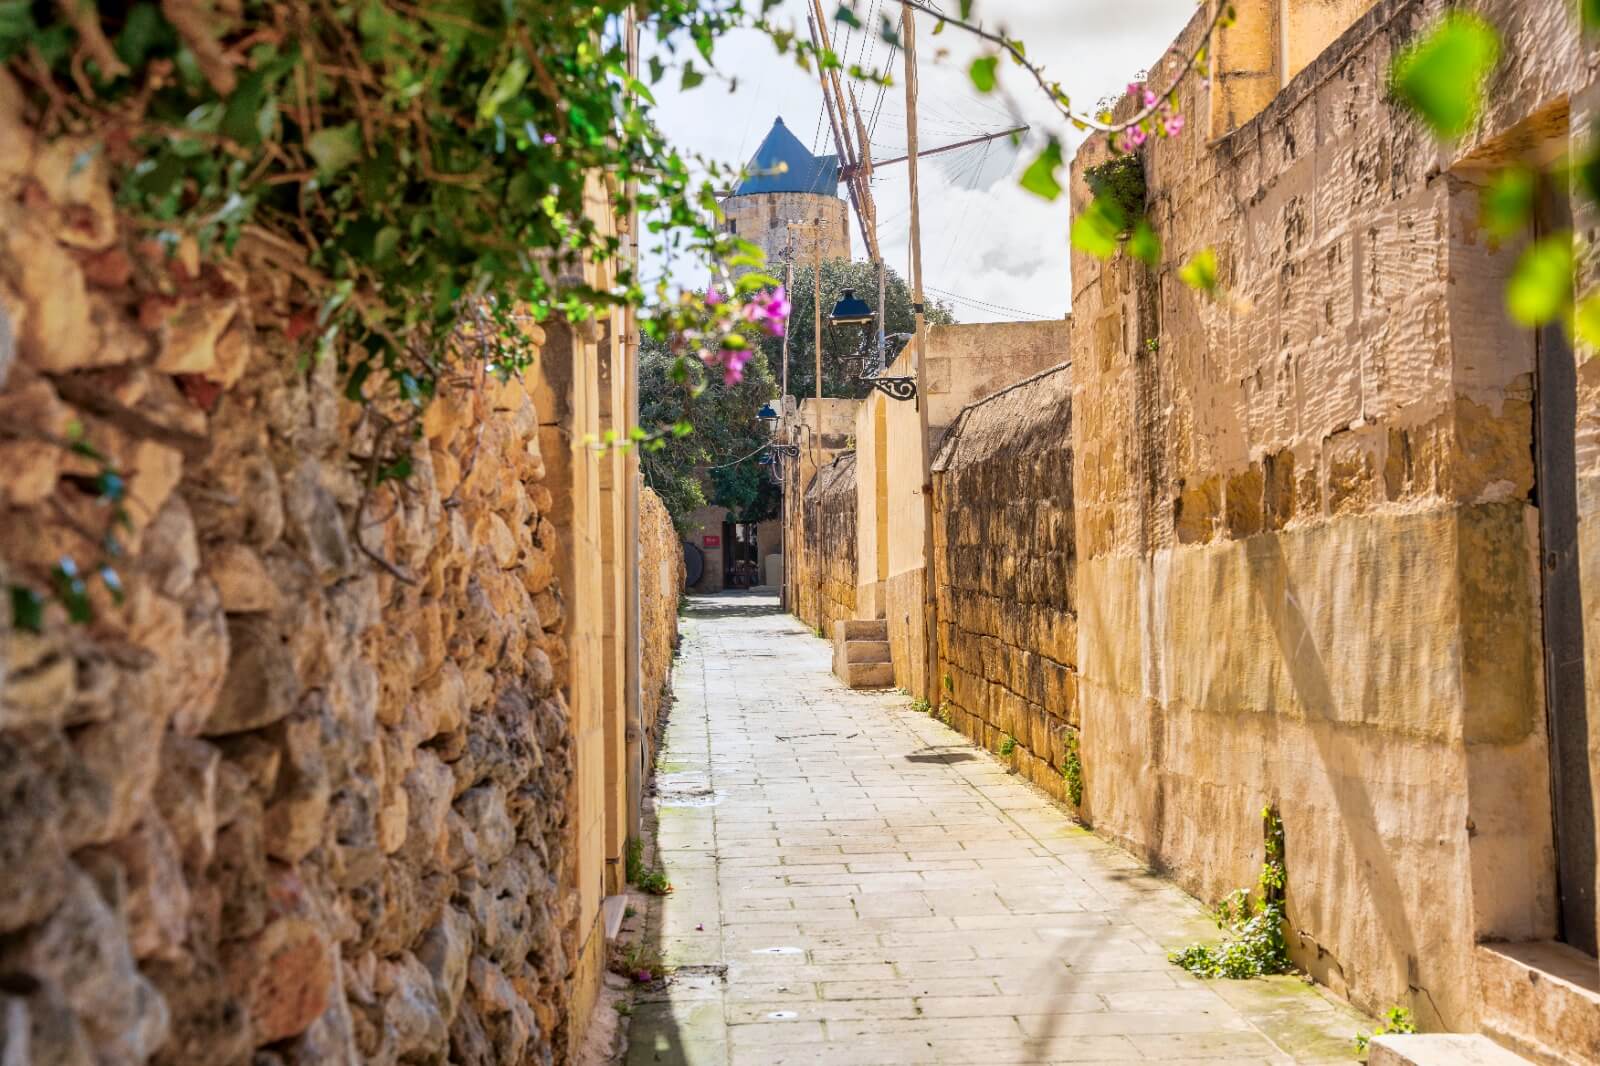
(778, 306)
(713, 296)
(1174, 125)
(769, 310)
(1135, 88)
(1137, 136)
(549, 138)
(1150, 98)
(733, 361)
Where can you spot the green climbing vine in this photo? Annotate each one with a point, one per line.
(1253, 943)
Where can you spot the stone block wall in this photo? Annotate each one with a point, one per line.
(1306, 517)
(763, 218)
(303, 796)
(1004, 562)
(661, 577)
(827, 590)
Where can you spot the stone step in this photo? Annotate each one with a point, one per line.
(1540, 998)
(615, 908)
(866, 651)
(862, 629)
(1440, 1049)
(868, 675)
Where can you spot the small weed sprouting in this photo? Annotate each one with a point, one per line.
(1008, 744)
(816, 631)
(638, 963)
(941, 715)
(949, 684)
(1253, 944)
(1395, 1020)
(1072, 770)
(646, 879)
(921, 706)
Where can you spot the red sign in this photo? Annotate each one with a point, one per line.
(711, 540)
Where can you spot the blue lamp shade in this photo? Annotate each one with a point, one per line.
(768, 413)
(851, 310)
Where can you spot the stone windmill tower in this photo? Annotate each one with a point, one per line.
(789, 184)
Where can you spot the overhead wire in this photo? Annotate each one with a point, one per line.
(985, 304)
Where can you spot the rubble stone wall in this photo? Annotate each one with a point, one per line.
(661, 577)
(1007, 617)
(827, 590)
(285, 803)
(1306, 517)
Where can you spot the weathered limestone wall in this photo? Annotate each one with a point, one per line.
(820, 431)
(660, 585)
(1585, 110)
(703, 524)
(1004, 564)
(285, 803)
(763, 219)
(1306, 526)
(963, 362)
(829, 531)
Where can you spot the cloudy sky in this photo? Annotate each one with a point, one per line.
(985, 241)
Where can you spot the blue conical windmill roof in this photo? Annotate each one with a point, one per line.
(801, 171)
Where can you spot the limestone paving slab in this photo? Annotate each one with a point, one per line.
(842, 898)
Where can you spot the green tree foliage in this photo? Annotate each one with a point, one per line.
(842, 365)
(688, 470)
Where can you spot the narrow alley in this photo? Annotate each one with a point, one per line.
(853, 882)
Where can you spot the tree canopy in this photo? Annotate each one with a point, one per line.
(718, 461)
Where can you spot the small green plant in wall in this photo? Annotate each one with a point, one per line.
(921, 706)
(1253, 943)
(1395, 1020)
(1072, 770)
(645, 878)
(1008, 744)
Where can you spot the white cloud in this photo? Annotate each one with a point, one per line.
(999, 247)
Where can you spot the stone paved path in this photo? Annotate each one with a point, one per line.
(855, 884)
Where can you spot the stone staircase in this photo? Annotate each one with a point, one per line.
(861, 653)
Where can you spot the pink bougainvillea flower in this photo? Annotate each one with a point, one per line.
(713, 296)
(1135, 88)
(778, 308)
(733, 361)
(1137, 136)
(1174, 125)
(549, 138)
(769, 310)
(1150, 98)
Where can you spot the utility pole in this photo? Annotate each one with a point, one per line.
(788, 288)
(908, 35)
(816, 311)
